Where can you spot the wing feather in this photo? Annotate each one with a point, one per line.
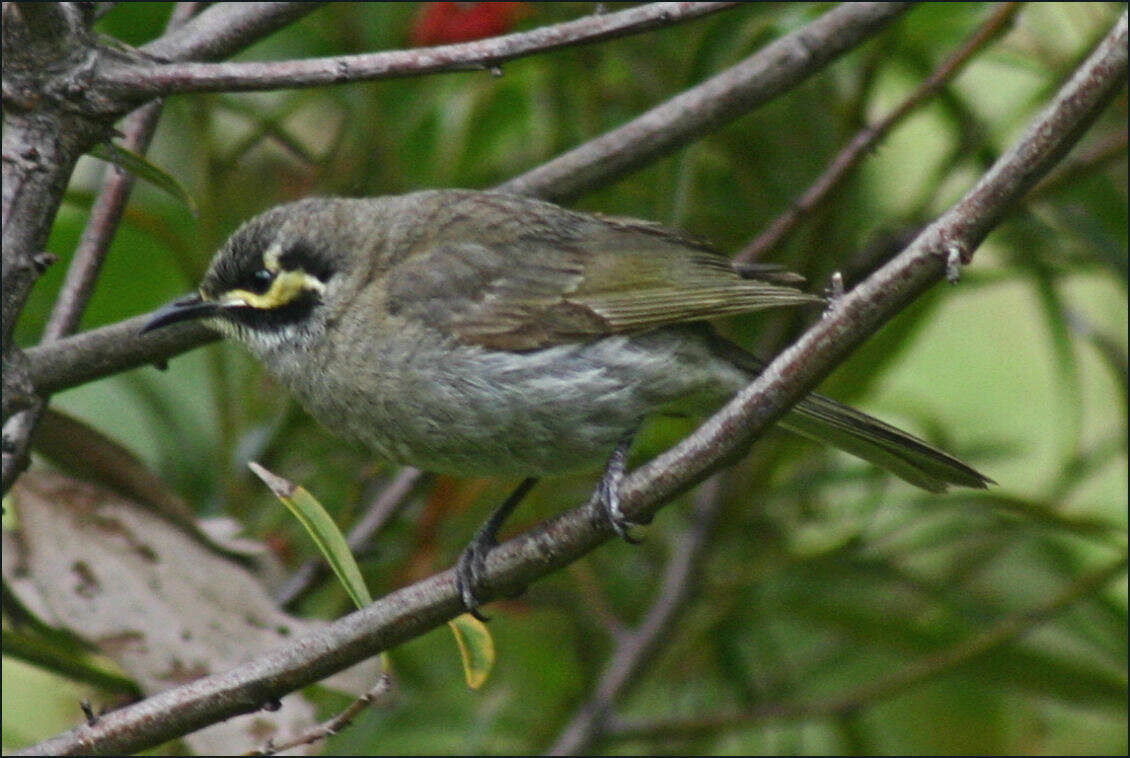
(515, 273)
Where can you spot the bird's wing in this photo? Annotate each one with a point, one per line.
(517, 274)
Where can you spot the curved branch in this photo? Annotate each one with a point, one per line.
(419, 607)
(140, 80)
(225, 28)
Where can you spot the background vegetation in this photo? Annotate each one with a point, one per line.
(824, 582)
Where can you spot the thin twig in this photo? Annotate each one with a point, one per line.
(865, 140)
(925, 669)
(105, 215)
(635, 648)
(379, 694)
(125, 79)
(385, 505)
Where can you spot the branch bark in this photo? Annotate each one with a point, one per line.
(417, 608)
(85, 265)
(224, 29)
(143, 80)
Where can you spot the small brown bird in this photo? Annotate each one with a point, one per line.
(481, 333)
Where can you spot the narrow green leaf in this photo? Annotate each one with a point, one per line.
(322, 528)
(138, 165)
(476, 647)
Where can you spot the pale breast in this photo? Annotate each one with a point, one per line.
(419, 398)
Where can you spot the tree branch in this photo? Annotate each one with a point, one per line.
(866, 139)
(109, 350)
(703, 109)
(224, 29)
(75, 292)
(417, 608)
(134, 80)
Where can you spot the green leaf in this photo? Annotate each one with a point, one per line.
(476, 647)
(139, 166)
(322, 528)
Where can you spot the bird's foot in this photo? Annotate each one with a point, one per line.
(604, 505)
(470, 571)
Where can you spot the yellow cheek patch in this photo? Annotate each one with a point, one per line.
(286, 287)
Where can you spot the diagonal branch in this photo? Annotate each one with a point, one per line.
(224, 29)
(415, 609)
(144, 80)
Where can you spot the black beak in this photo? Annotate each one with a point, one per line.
(190, 307)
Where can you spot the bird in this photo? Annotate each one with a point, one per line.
(490, 334)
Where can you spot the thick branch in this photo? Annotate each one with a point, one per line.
(703, 109)
(415, 609)
(140, 81)
(109, 350)
(83, 271)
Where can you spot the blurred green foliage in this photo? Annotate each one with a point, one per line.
(824, 574)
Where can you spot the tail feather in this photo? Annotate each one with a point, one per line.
(912, 459)
(820, 418)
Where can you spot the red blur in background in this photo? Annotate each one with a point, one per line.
(443, 23)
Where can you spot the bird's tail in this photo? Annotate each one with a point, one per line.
(820, 418)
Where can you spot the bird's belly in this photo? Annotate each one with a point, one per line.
(452, 408)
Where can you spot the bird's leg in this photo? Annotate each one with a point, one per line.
(472, 563)
(605, 501)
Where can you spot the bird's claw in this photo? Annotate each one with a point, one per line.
(469, 572)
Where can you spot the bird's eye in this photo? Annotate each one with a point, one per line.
(261, 281)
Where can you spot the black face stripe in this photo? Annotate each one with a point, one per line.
(273, 319)
(301, 255)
